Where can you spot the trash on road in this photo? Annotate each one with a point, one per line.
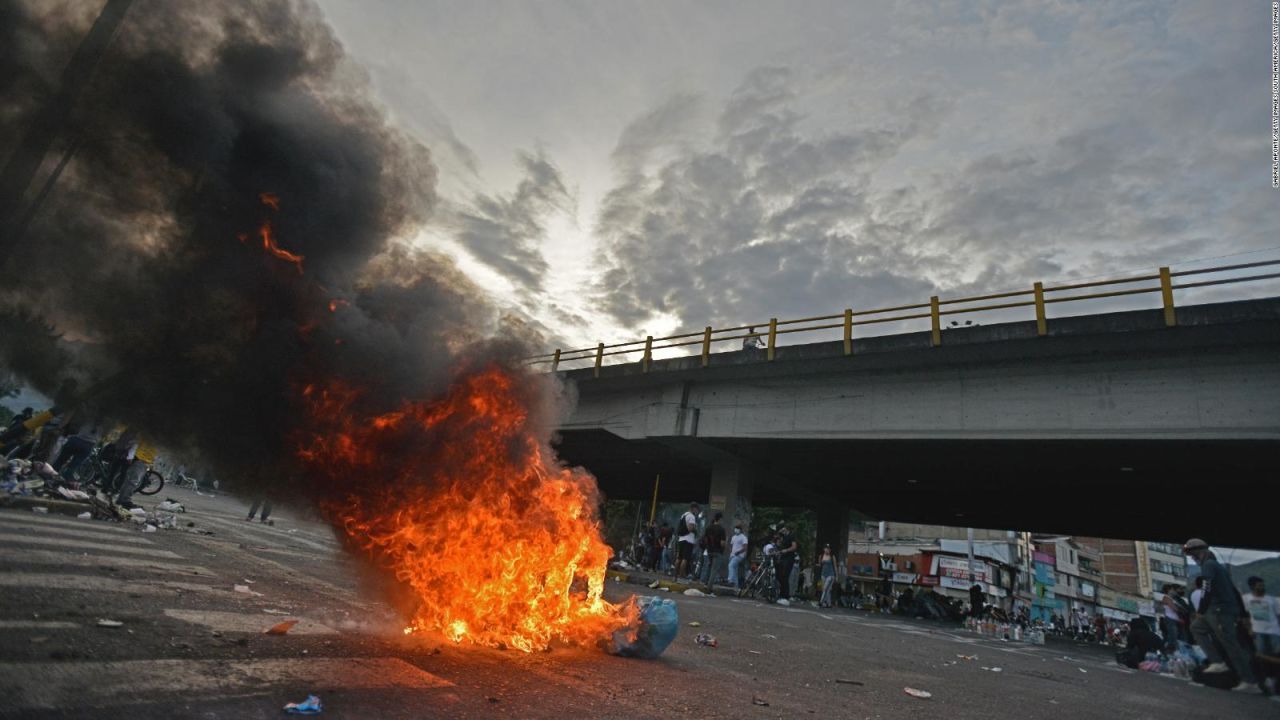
(695, 623)
(148, 528)
(708, 640)
(1082, 670)
(755, 652)
(280, 628)
(992, 669)
(170, 505)
(310, 706)
(695, 592)
(86, 515)
(40, 509)
(273, 611)
(968, 657)
(245, 589)
(757, 700)
(659, 623)
(655, 585)
(842, 681)
(922, 694)
(769, 637)
(110, 623)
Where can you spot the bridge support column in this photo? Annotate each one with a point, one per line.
(833, 527)
(732, 486)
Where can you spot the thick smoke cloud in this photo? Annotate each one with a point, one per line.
(164, 319)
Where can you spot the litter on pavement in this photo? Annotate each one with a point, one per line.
(110, 623)
(695, 592)
(280, 628)
(757, 700)
(310, 706)
(922, 694)
(708, 640)
(842, 681)
(695, 623)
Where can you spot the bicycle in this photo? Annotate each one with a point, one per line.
(762, 580)
(150, 484)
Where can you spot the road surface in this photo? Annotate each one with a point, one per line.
(191, 646)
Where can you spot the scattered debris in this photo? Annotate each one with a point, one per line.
(655, 584)
(1082, 670)
(86, 515)
(148, 528)
(40, 509)
(695, 623)
(708, 640)
(755, 652)
(922, 694)
(968, 657)
(110, 623)
(245, 589)
(769, 637)
(280, 628)
(992, 669)
(695, 592)
(170, 505)
(757, 700)
(842, 681)
(273, 611)
(310, 706)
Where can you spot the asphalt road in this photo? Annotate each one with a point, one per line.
(191, 646)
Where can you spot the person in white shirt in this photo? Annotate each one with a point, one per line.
(737, 554)
(687, 534)
(1264, 620)
(1197, 595)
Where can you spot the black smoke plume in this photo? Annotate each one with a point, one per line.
(144, 291)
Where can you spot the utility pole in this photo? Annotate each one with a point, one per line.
(51, 120)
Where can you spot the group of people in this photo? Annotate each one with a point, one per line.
(1237, 633)
(714, 555)
(65, 445)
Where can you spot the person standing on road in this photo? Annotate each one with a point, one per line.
(737, 555)
(1264, 621)
(1215, 629)
(1172, 616)
(687, 528)
(714, 538)
(666, 548)
(264, 503)
(976, 603)
(786, 549)
(827, 567)
(139, 456)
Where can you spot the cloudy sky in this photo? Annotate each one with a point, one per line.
(620, 169)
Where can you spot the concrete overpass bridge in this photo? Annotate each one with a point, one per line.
(1127, 424)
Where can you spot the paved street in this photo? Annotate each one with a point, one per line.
(192, 646)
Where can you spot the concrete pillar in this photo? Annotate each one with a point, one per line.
(732, 486)
(833, 527)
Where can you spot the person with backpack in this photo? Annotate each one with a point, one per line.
(1220, 611)
(687, 535)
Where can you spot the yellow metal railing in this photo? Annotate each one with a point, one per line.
(1038, 297)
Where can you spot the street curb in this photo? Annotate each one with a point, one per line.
(60, 507)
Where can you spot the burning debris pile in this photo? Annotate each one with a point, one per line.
(498, 543)
(335, 363)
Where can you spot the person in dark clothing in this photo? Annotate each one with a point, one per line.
(1220, 608)
(1141, 641)
(976, 603)
(75, 450)
(714, 545)
(265, 504)
(787, 548)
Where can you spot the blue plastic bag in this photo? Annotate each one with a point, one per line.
(659, 623)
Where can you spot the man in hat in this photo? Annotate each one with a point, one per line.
(1215, 628)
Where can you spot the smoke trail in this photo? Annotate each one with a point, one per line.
(205, 123)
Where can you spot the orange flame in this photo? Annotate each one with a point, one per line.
(269, 244)
(271, 200)
(498, 543)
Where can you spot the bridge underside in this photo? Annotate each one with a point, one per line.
(1165, 490)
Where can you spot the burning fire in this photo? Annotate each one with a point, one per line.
(267, 234)
(464, 504)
